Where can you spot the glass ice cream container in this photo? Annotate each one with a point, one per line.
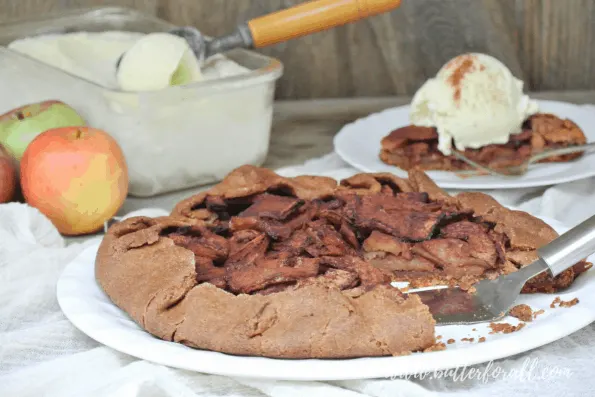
(175, 138)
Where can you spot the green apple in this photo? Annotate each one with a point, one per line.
(20, 126)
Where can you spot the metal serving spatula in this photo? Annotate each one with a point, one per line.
(493, 298)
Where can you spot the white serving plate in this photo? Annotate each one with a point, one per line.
(86, 305)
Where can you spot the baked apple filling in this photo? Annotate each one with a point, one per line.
(277, 243)
(367, 233)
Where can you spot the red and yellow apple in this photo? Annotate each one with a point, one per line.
(20, 126)
(77, 177)
(8, 176)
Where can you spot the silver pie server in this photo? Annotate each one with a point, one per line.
(492, 299)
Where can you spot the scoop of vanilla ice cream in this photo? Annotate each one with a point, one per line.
(474, 100)
(157, 61)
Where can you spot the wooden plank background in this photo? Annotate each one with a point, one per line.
(548, 43)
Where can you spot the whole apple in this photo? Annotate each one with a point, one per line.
(76, 176)
(20, 126)
(8, 176)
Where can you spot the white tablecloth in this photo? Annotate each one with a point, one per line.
(42, 354)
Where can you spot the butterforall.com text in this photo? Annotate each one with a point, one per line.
(531, 370)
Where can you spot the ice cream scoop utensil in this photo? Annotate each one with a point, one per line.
(300, 20)
(491, 299)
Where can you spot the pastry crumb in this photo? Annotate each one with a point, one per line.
(481, 340)
(450, 341)
(435, 347)
(505, 328)
(439, 337)
(474, 329)
(569, 303)
(523, 312)
(538, 313)
(467, 339)
(562, 303)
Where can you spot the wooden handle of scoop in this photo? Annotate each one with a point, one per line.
(313, 16)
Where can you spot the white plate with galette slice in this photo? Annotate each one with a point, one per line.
(358, 143)
(86, 305)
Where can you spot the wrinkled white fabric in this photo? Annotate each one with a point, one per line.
(42, 354)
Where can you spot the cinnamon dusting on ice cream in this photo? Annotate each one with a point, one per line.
(464, 65)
